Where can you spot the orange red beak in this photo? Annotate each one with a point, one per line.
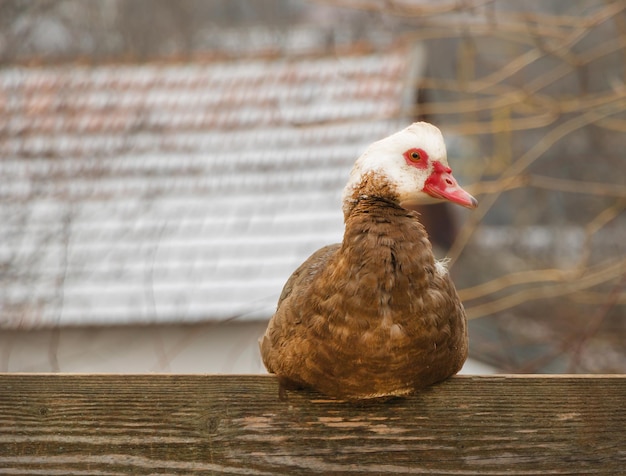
(442, 185)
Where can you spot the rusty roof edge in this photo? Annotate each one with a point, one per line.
(361, 47)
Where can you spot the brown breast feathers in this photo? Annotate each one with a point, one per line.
(371, 317)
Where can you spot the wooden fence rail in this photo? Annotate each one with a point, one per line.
(205, 424)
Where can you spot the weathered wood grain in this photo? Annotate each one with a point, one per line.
(196, 424)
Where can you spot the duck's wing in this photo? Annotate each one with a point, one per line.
(307, 271)
(450, 334)
(287, 315)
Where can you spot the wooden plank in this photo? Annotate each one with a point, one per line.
(181, 424)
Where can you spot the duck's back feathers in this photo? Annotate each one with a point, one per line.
(286, 321)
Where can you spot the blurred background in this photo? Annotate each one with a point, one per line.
(165, 166)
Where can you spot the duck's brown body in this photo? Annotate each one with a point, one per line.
(371, 317)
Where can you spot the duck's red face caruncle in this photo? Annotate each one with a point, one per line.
(440, 184)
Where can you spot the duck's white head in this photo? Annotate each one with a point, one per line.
(414, 166)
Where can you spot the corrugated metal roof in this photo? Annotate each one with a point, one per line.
(178, 192)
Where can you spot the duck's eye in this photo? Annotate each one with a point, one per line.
(416, 158)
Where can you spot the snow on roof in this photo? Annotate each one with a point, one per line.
(179, 192)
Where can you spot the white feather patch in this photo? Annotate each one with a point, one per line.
(441, 266)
